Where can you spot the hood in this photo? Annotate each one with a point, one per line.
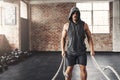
(74, 9)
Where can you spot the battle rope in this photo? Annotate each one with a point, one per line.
(113, 70)
(98, 67)
(95, 63)
(62, 63)
(108, 67)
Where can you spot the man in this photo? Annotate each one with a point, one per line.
(76, 31)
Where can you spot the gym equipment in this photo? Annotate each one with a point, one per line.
(13, 57)
(3, 64)
(27, 53)
(60, 66)
(105, 67)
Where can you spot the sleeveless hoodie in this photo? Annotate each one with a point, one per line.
(76, 35)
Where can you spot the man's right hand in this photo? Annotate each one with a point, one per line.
(63, 53)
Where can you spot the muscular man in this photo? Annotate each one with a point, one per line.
(76, 31)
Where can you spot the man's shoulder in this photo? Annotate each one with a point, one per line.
(66, 24)
(86, 26)
(82, 21)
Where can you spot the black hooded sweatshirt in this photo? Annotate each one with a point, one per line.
(76, 35)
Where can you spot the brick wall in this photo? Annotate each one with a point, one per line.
(47, 21)
(4, 45)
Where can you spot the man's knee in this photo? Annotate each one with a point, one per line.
(83, 68)
(68, 73)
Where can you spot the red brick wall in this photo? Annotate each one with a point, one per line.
(4, 45)
(47, 21)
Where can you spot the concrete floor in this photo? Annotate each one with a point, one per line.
(43, 66)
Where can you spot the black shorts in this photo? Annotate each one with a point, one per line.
(71, 60)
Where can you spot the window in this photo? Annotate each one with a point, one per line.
(96, 15)
(23, 10)
(7, 13)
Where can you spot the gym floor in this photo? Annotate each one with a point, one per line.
(43, 66)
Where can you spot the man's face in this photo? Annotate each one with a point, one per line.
(75, 16)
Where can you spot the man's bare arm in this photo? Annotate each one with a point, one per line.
(63, 38)
(90, 41)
